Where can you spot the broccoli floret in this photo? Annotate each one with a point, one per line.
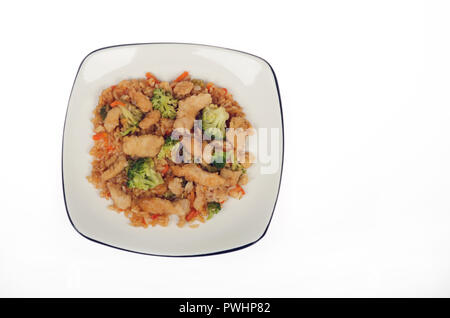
(213, 208)
(166, 149)
(165, 103)
(213, 121)
(235, 165)
(219, 159)
(131, 116)
(142, 175)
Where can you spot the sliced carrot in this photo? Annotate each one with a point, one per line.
(191, 215)
(100, 135)
(117, 103)
(226, 91)
(182, 76)
(166, 168)
(209, 85)
(149, 75)
(155, 216)
(103, 136)
(240, 189)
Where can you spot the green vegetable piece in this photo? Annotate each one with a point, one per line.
(165, 103)
(235, 165)
(214, 121)
(142, 175)
(166, 149)
(209, 168)
(132, 116)
(213, 208)
(104, 111)
(219, 159)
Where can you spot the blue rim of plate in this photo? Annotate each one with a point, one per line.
(162, 255)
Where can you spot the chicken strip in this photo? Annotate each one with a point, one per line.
(240, 122)
(121, 199)
(142, 146)
(115, 168)
(200, 198)
(231, 177)
(162, 206)
(140, 100)
(159, 189)
(218, 194)
(112, 119)
(183, 88)
(150, 119)
(196, 174)
(188, 109)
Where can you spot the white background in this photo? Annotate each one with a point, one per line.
(364, 207)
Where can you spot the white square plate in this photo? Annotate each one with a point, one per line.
(241, 223)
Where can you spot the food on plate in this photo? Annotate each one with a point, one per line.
(148, 156)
